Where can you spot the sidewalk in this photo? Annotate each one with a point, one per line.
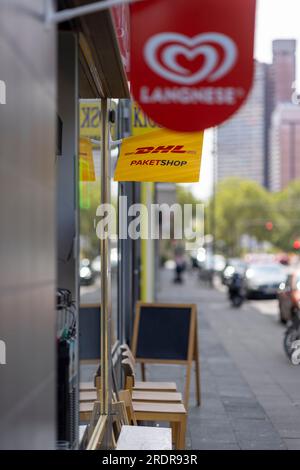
(250, 392)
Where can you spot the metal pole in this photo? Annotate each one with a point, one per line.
(105, 268)
(53, 16)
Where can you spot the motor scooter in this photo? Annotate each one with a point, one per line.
(291, 340)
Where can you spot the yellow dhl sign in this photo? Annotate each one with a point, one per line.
(161, 156)
(140, 122)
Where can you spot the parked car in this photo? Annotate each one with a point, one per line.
(263, 280)
(233, 265)
(289, 297)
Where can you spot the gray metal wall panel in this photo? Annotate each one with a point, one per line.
(67, 175)
(27, 227)
(67, 165)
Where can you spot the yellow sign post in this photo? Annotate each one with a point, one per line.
(161, 156)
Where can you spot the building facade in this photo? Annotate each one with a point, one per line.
(284, 146)
(240, 142)
(243, 145)
(283, 69)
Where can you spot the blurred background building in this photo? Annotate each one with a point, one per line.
(284, 146)
(260, 142)
(240, 141)
(283, 69)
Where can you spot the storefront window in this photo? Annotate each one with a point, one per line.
(90, 197)
(114, 264)
(90, 264)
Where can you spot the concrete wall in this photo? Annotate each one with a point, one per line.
(27, 227)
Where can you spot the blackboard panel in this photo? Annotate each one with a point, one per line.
(163, 332)
(89, 332)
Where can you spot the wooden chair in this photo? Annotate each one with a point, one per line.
(120, 419)
(125, 396)
(98, 434)
(139, 385)
(173, 413)
(90, 395)
(86, 410)
(130, 381)
(87, 386)
(146, 395)
(154, 397)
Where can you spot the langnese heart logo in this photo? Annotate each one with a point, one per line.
(161, 53)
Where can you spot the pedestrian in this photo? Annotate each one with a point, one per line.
(180, 263)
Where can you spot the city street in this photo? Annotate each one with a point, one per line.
(150, 178)
(250, 391)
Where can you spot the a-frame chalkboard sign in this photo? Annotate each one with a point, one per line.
(167, 334)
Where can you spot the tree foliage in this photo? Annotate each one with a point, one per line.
(287, 228)
(241, 207)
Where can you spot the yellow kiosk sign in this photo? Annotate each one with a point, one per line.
(140, 122)
(161, 156)
(90, 119)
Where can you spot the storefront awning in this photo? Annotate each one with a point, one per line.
(101, 72)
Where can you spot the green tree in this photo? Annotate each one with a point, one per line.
(241, 207)
(185, 196)
(287, 228)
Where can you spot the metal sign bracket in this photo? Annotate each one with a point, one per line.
(54, 17)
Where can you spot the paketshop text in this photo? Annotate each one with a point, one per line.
(159, 162)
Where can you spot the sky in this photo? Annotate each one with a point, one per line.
(275, 19)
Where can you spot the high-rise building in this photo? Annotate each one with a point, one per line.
(284, 145)
(284, 133)
(240, 142)
(283, 69)
(243, 145)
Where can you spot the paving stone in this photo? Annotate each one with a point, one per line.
(213, 445)
(249, 389)
(292, 444)
(212, 431)
(262, 445)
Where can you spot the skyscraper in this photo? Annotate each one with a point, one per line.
(284, 145)
(283, 69)
(284, 137)
(243, 146)
(240, 142)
